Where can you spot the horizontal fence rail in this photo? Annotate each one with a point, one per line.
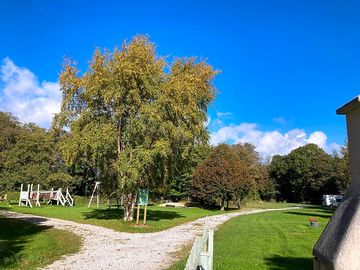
(202, 251)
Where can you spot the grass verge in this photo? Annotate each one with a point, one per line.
(158, 218)
(274, 240)
(24, 245)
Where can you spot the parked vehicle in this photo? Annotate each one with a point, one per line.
(332, 200)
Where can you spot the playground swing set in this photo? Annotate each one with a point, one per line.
(29, 197)
(32, 197)
(142, 200)
(97, 190)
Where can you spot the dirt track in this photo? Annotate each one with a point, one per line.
(107, 249)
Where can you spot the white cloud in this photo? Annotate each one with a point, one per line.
(269, 143)
(280, 120)
(22, 95)
(218, 121)
(223, 114)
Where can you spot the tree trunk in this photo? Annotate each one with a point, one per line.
(129, 204)
(222, 205)
(238, 203)
(227, 204)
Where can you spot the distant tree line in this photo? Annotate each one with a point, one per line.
(131, 120)
(211, 176)
(234, 172)
(308, 172)
(134, 120)
(30, 154)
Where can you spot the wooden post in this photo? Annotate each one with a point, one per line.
(145, 210)
(137, 214)
(58, 196)
(21, 190)
(28, 194)
(38, 196)
(211, 249)
(97, 190)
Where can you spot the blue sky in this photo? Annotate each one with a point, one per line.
(286, 66)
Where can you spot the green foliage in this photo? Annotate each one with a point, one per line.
(341, 178)
(179, 187)
(10, 129)
(222, 176)
(247, 153)
(131, 121)
(29, 160)
(29, 156)
(268, 190)
(307, 173)
(81, 200)
(59, 180)
(258, 172)
(12, 196)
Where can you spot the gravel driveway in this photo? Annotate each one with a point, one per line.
(107, 249)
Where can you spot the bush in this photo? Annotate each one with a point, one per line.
(12, 196)
(80, 200)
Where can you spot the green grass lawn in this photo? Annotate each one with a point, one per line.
(275, 241)
(158, 218)
(27, 246)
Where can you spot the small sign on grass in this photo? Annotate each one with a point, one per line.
(143, 196)
(143, 199)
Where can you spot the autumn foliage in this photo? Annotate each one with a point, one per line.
(133, 117)
(222, 177)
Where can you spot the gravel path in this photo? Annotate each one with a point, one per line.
(107, 249)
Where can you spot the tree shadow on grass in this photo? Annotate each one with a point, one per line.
(320, 209)
(152, 214)
(310, 214)
(14, 234)
(289, 263)
(104, 214)
(157, 214)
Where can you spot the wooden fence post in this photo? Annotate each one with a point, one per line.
(202, 250)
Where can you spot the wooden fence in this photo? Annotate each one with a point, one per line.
(201, 255)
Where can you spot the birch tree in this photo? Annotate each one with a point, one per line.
(134, 117)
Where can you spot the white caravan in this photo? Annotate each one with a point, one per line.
(332, 200)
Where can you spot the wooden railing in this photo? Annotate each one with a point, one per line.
(201, 255)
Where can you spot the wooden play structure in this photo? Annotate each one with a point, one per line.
(29, 197)
(26, 197)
